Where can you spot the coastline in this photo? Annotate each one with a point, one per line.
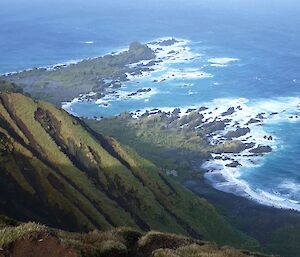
(77, 79)
(235, 115)
(63, 63)
(167, 51)
(243, 120)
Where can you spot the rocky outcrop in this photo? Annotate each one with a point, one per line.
(230, 111)
(253, 121)
(233, 164)
(261, 149)
(237, 133)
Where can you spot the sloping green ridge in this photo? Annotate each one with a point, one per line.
(56, 170)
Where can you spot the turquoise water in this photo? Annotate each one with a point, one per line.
(263, 35)
(280, 170)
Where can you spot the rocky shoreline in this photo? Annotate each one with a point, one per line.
(87, 79)
(94, 78)
(240, 127)
(165, 51)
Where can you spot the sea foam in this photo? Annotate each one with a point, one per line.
(222, 62)
(229, 179)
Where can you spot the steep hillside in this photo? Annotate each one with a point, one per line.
(56, 170)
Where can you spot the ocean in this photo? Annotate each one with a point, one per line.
(244, 53)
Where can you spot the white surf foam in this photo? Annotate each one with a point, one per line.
(122, 95)
(222, 62)
(267, 111)
(190, 74)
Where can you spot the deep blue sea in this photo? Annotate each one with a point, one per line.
(263, 37)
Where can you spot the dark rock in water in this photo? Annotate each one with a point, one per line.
(190, 110)
(218, 158)
(142, 90)
(229, 111)
(233, 164)
(214, 126)
(261, 149)
(252, 121)
(237, 133)
(172, 52)
(151, 63)
(176, 112)
(239, 108)
(260, 116)
(203, 108)
(168, 42)
(268, 138)
(249, 145)
(146, 114)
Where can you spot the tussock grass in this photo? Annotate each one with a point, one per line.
(208, 250)
(10, 234)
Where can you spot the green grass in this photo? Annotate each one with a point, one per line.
(10, 234)
(77, 175)
(285, 241)
(162, 140)
(195, 250)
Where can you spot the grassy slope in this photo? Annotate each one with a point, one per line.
(168, 147)
(162, 140)
(59, 171)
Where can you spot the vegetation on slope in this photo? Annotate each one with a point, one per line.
(164, 140)
(55, 169)
(31, 239)
(181, 149)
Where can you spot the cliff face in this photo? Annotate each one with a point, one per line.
(56, 170)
